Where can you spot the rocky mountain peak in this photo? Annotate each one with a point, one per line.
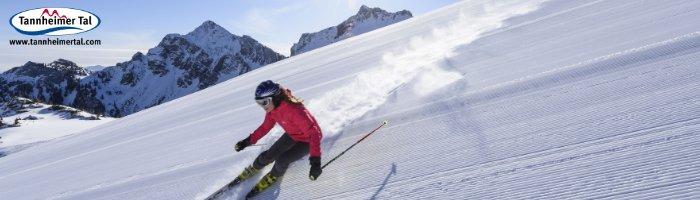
(60, 66)
(209, 29)
(28, 68)
(67, 67)
(366, 19)
(364, 8)
(367, 12)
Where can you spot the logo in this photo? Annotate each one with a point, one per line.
(54, 21)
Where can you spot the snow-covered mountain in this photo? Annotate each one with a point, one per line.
(366, 20)
(509, 99)
(94, 68)
(54, 83)
(179, 65)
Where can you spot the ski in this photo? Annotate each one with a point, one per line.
(223, 190)
(251, 194)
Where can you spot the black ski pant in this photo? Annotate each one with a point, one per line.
(283, 152)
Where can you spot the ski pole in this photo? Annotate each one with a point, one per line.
(353, 145)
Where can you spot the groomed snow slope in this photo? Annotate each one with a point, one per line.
(528, 100)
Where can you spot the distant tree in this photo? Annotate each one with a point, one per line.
(56, 107)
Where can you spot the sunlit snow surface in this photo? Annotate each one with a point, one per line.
(49, 124)
(558, 99)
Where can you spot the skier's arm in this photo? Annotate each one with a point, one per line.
(263, 129)
(308, 125)
(314, 141)
(314, 133)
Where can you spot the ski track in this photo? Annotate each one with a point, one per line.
(518, 172)
(540, 100)
(617, 65)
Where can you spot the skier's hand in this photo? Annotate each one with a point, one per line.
(243, 144)
(315, 168)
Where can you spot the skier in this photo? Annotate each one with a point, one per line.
(302, 136)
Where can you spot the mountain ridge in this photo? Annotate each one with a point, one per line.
(180, 64)
(366, 19)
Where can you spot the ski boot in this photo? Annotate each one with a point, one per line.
(265, 183)
(247, 173)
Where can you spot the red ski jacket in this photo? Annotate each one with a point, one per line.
(296, 121)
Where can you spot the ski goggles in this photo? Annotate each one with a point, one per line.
(264, 102)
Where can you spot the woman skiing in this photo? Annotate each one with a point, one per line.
(302, 135)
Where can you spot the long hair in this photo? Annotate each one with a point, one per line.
(286, 95)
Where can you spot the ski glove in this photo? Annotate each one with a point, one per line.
(243, 144)
(315, 168)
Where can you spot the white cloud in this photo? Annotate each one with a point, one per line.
(261, 21)
(258, 22)
(352, 4)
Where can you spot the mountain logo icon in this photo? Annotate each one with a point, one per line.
(54, 13)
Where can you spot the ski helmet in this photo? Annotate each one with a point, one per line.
(267, 89)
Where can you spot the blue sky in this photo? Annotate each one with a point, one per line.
(130, 26)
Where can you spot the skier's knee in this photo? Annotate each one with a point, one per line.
(262, 160)
(279, 169)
